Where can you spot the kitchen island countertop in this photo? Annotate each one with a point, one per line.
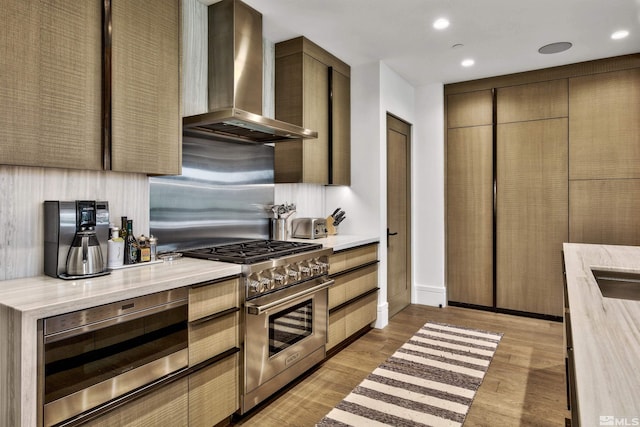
(605, 334)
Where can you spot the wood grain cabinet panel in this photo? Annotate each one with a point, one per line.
(50, 83)
(361, 313)
(214, 393)
(340, 148)
(353, 297)
(302, 100)
(213, 298)
(303, 96)
(167, 406)
(605, 211)
(532, 212)
(470, 215)
(351, 285)
(470, 109)
(533, 101)
(604, 125)
(146, 119)
(352, 258)
(337, 331)
(212, 337)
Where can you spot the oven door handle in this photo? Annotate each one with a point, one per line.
(254, 307)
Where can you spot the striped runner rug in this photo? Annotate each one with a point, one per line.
(429, 381)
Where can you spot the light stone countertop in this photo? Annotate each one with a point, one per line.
(341, 242)
(606, 336)
(44, 296)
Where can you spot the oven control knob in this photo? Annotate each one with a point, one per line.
(306, 271)
(316, 268)
(254, 286)
(293, 274)
(265, 284)
(278, 280)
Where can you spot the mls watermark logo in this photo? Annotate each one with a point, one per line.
(610, 420)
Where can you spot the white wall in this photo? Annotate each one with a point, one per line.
(428, 197)
(376, 91)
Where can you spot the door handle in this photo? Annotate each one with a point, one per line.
(390, 234)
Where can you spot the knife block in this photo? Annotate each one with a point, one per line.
(332, 230)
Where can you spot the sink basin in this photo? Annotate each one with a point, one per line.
(618, 284)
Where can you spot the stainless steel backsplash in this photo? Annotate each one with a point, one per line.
(221, 196)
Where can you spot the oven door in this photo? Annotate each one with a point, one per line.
(282, 329)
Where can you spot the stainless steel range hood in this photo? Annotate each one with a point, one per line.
(235, 80)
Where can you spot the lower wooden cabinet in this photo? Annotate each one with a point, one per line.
(214, 392)
(204, 398)
(353, 298)
(167, 406)
(346, 321)
(212, 337)
(214, 330)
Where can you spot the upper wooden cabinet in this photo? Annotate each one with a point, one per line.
(146, 120)
(533, 101)
(51, 93)
(50, 83)
(470, 109)
(313, 90)
(604, 125)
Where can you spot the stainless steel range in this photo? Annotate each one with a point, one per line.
(285, 310)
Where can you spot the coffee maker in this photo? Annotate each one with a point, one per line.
(75, 238)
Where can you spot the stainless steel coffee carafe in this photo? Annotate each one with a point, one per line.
(75, 238)
(85, 255)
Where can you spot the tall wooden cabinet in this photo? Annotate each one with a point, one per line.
(470, 198)
(51, 93)
(534, 160)
(313, 90)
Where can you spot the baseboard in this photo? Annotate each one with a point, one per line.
(435, 296)
(383, 316)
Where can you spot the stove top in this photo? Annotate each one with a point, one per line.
(252, 251)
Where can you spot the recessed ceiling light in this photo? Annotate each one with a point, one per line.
(441, 23)
(555, 47)
(468, 62)
(620, 34)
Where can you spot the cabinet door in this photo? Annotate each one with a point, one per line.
(340, 166)
(50, 83)
(470, 109)
(604, 125)
(605, 211)
(167, 406)
(146, 119)
(532, 212)
(302, 89)
(534, 101)
(470, 215)
(214, 393)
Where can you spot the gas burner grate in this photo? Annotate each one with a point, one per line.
(252, 251)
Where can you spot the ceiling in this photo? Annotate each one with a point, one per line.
(502, 36)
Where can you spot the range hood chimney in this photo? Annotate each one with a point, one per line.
(235, 80)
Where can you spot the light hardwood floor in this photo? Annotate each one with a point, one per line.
(524, 385)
